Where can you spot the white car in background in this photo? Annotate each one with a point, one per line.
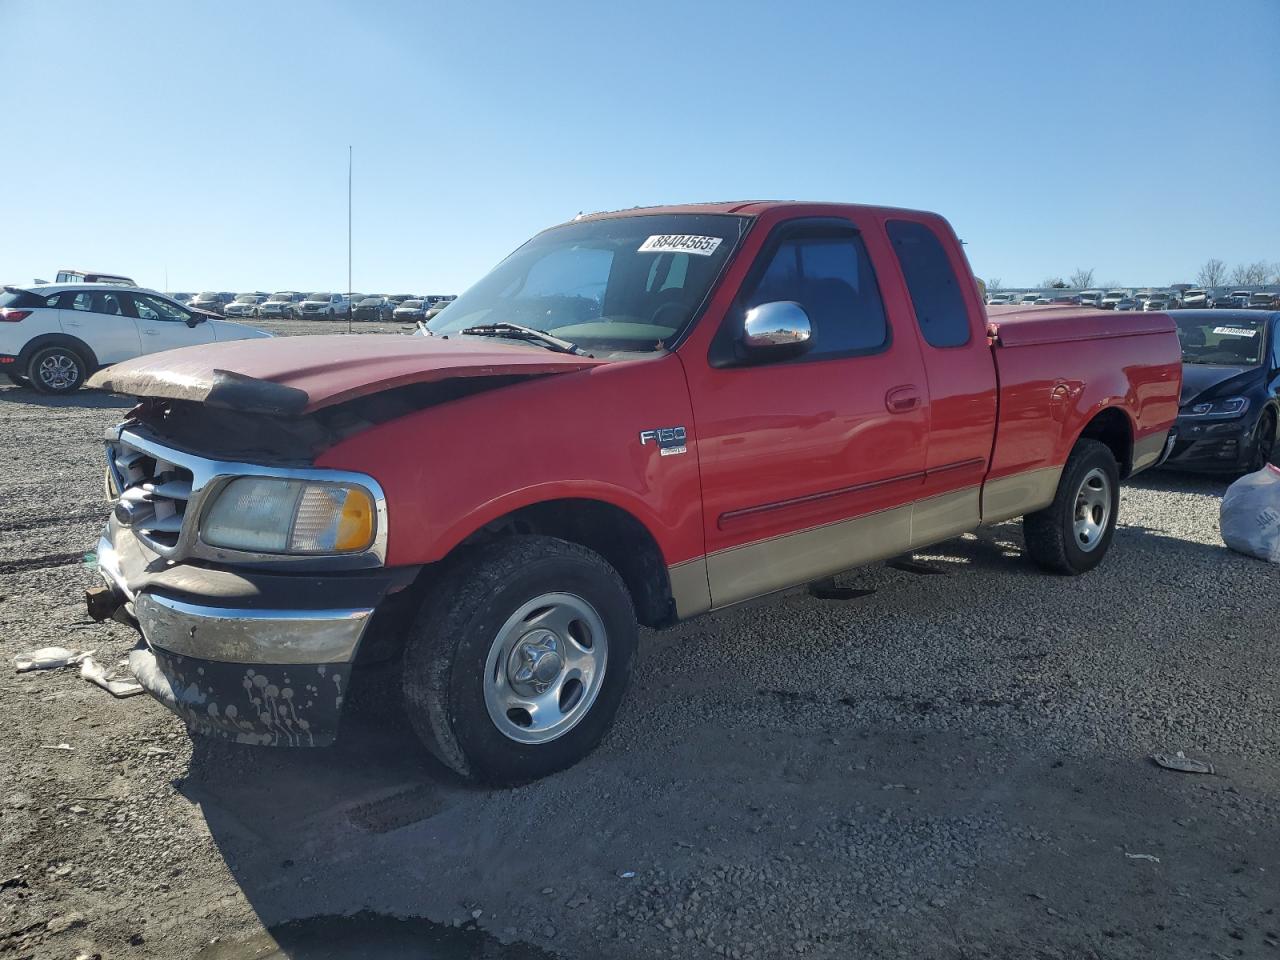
(326, 305)
(53, 336)
(244, 305)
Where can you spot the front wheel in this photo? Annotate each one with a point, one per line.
(1073, 533)
(56, 369)
(1264, 442)
(519, 659)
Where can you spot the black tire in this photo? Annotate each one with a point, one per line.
(1050, 534)
(70, 366)
(461, 624)
(1263, 451)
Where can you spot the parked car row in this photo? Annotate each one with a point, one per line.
(1149, 299)
(311, 306)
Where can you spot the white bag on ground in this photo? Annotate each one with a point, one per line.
(1251, 514)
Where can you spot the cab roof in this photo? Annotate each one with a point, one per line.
(749, 208)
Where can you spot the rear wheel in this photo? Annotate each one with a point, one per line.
(1073, 533)
(56, 369)
(519, 659)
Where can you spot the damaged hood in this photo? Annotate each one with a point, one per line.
(1214, 380)
(298, 375)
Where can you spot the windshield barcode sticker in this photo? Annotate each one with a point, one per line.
(680, 243)
(1235, 331)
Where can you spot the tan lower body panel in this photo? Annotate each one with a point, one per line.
(1019, 494)
(689, 588)
(754, 569)
(1147, 450)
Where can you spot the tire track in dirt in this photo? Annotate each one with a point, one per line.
(23, 564)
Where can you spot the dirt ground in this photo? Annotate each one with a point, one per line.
(954, 765)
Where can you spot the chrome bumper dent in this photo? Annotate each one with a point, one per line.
(238, 635)
(250, 636)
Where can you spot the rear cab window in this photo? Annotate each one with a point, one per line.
(936, 294)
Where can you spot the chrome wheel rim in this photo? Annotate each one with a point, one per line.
(545, 668)
(1093, 509)
(58, 371)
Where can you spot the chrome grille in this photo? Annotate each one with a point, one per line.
(159, 493)
(153, 494)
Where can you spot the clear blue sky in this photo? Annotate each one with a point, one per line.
(1138, 137)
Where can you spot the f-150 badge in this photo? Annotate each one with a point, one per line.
(670, 440)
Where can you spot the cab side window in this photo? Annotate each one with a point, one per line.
(827, 271)
(935, 290)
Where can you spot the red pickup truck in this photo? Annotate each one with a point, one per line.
(635, 418)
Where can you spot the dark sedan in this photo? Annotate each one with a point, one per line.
(1230, 401)
(410, 310)
(373, 309)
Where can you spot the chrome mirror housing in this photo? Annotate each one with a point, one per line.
(778, 327)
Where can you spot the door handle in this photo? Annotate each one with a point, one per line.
(152, 333)
(902, 399)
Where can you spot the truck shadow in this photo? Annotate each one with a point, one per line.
(81, 399)
(1179, 481)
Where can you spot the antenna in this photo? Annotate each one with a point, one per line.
(350, 305)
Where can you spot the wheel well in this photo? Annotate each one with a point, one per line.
(1111, 427)
(58, 340)
(610, 531)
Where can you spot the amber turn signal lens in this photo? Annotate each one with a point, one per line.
(355, 524)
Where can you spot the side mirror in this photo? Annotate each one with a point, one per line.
(194, 319)
(776, 329)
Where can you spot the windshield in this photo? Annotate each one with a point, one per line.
(1236, 342)
(370, 301)
(623, 283)
(412, 304)
(278, 298)
(206, 296)
(320, 296)
(246, 298)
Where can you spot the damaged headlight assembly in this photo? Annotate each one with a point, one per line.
(296, 517)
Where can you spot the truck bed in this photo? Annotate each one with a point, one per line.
(1067, 364)
(1027, 326)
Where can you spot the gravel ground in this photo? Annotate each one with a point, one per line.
(955, 765)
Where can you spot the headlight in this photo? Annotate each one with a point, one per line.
(269, 515)
(1218, 409)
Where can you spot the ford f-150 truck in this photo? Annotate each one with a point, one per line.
(636, 418)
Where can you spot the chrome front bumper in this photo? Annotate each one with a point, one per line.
(238, 634)
(257, 658)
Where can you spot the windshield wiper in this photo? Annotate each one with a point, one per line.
(514, 331)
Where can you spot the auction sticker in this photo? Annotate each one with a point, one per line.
(680, 243)
(1235, 331)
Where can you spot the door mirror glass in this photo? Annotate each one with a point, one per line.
(780, 328)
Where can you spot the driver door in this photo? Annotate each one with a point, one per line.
(163, 325)
(810, 462)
